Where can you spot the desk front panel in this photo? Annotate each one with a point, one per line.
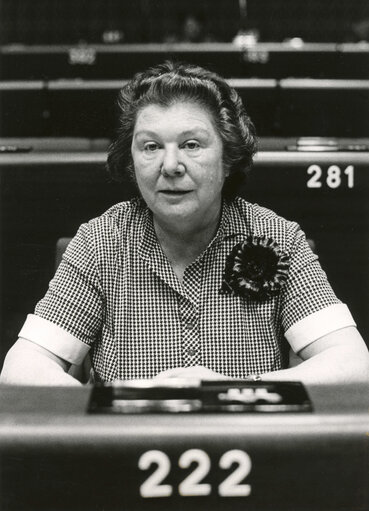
(47, 196)
(327, 194)
(61, 458)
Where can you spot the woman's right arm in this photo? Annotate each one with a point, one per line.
(28, 363)
(66, 321)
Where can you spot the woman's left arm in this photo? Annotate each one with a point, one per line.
(338, 357)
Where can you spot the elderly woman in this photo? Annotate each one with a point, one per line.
(188, 279)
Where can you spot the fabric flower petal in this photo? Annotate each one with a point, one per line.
(255, 268)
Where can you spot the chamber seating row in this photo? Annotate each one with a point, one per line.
(45, 196)
(264, 60)
(87, 108)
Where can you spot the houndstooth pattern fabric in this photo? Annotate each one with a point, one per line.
(116, 291)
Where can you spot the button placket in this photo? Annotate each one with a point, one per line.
(191, 354)
(191, 348)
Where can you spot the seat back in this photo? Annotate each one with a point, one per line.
(61, 246)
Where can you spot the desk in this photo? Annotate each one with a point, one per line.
(58, 191)
(54, 456)
(278, 107)
(263, 60)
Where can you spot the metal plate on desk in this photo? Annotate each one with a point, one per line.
(182, 396)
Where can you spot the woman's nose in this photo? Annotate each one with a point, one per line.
(172, 166)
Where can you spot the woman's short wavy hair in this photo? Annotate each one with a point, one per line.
(169, 83)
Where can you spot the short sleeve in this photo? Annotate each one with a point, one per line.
(310, 308)
(74, 299)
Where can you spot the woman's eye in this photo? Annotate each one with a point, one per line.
(192, 145)
(151, 147)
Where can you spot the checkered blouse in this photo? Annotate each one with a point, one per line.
(116, 292)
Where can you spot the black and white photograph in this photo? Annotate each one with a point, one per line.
(184, 255)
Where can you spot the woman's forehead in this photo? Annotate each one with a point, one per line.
(183, 115)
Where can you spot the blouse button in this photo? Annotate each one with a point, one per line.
(191, 353)
(190, 325)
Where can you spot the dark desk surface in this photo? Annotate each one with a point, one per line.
(56, 456)
(43, 415)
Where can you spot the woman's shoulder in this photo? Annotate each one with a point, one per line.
(105, 233)
(263, 221)
(119, 215)
(260, 213)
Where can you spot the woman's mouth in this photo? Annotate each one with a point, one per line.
(174, 193)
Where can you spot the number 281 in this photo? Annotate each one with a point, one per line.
(334, 177)
(192, 485)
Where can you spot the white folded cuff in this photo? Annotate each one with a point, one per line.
(323, 322)
(54, 339)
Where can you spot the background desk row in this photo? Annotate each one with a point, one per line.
(262, 60)
(285, 108)
(45, 196)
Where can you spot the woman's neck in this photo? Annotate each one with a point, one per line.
(183, 245)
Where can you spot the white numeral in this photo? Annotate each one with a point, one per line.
(349, 171)
(333, 178)
(152, 487)
(316, 172)
(231, 486)
(191, 485)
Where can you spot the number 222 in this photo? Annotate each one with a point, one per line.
(192, 486)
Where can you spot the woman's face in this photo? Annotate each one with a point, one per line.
(178, 160)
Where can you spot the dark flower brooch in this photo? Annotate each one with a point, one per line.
(256, 268)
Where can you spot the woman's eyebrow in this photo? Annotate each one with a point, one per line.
(192, 132)
(195, 131)
(146, 133)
